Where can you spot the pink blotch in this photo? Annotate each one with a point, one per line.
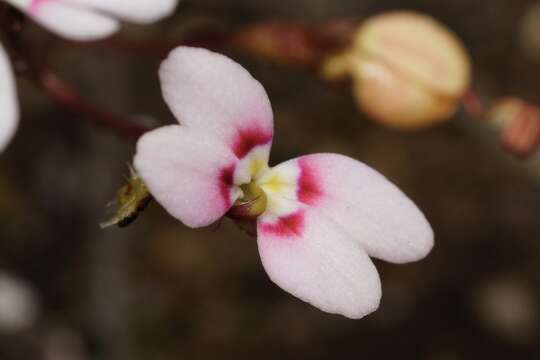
(226, 182)
(286, 226)
(309, 186)
(248, 138)
(35, 4)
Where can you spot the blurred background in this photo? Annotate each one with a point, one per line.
(157, 290)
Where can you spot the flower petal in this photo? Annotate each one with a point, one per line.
(138, 11)
(69, 21)
(188, 173)
(308, 255)
(92, 19)
(9, 109)
(209, 91)
(364, 203)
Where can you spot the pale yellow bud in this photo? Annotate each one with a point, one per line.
(409, 71)
(392, 100)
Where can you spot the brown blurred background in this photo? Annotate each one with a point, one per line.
(158, 290)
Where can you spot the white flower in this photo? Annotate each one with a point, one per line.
(18, 304)
(319, 217)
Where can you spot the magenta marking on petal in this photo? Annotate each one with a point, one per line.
(309, 187)
(226, 182)
(286, 226)
(35, 4)
(248, 138)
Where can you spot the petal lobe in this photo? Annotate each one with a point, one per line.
(9, 108)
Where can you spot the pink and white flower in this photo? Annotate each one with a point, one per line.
(76, 20)
(319, 217)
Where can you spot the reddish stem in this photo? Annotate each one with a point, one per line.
(285, 42)
(66, 95)
(155, 48)
(473, 104)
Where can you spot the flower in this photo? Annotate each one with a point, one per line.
(19, 305)
(319, 217)
(76, 20)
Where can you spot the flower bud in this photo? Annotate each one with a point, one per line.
(519, 123)
(294, 43)
(131, 199)
(283, 43)
(409, 71)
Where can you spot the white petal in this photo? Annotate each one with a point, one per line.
(9, 109)
(309, 256)
(92, 19)
(188, 173)
(138, 11)
(364, 203)
(209, 91)
(73, 22)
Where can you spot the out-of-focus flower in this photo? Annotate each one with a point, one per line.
(409, 71)
(319, 217)
(530, 32)
(9, 110)
(509, 307)
(18, 305)
(76, 20)
(92, 19)
(519, 123)
(62, 343)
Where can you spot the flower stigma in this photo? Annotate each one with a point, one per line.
(252, 204)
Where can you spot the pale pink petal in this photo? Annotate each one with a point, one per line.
(9, 110)
(308, 255)
(209, 91)
(188, 173)
(92, 19)
(69, 21)
(137, 11)
(369, 208)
